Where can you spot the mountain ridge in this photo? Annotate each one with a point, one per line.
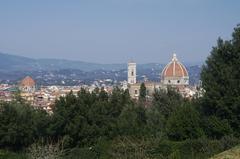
(52, 71)
(9, 62)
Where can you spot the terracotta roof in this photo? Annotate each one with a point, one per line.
(174, 69)
(27, 81)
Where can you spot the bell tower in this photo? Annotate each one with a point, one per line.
(132, 73)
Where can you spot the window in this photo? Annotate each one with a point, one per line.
(178, 81)
(169, 81)
(136, 92)
(132, 73)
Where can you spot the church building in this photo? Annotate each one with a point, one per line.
(27, 85)
(174, 74)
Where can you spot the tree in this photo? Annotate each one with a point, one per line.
(84, 119)
(216, 128)
(184, 124)
(155, 122)
(221, 81)
(132, 120)
(103, 96)
(143, 92)
(20, 125)
(166, 101)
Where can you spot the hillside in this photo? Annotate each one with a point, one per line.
(53, 71)
(12, 62)
(19, 63)
(233, 153)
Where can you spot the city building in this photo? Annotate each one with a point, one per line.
(27, 85)
(132, 72)
(174, 75)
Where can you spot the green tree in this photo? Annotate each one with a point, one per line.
(143, 92)
(69, 118)
(84, 119)
(155, 122)
(217, 128)
(132, 120)
(103, 95)
(221, 81)
(166, 101)
(184, 124)
(21, 124)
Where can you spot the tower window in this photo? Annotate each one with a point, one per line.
(169, 81)
(132, 73)
(136, 92)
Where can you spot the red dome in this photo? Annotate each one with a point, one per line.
(174, 69)
(27, 81)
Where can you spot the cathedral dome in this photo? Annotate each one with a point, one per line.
(27, 81)
(175, 73)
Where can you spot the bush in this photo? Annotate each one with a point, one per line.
(45, 150)
(184, 124)
(216, 128)
(20, 125)
(4, 154)
(81, 153)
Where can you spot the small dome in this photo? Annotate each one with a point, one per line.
(174, 69)
(27, 81)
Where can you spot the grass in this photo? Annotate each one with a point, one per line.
(11, 155)
(233, 153)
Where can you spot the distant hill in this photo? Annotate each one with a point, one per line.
(14, 63)
(53, 71)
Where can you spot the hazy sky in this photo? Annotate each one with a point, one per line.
(114, 31)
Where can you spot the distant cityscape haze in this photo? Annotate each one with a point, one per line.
(110, 31)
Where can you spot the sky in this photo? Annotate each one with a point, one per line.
(116, 31)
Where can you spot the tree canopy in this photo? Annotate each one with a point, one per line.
(221, 81)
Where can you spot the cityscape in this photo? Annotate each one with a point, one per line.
(129, 79)
(43, 96)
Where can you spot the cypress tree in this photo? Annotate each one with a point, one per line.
(143, 92)
(221, 81)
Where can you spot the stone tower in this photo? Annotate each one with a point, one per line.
(132, 77)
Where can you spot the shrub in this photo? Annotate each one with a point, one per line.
(184, 124)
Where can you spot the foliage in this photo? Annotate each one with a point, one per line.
(101, 125)
(159, 148)
(132, 120)
(217, 128)
(142, 93)
(155, 122)
(166, 101)
(221, 81)
(42, 150)
(5, 154)
(184, 124)
(85, 118)
(20, 124)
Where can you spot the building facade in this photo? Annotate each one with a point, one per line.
(174, 74)
(27, 85)
(132, 73)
